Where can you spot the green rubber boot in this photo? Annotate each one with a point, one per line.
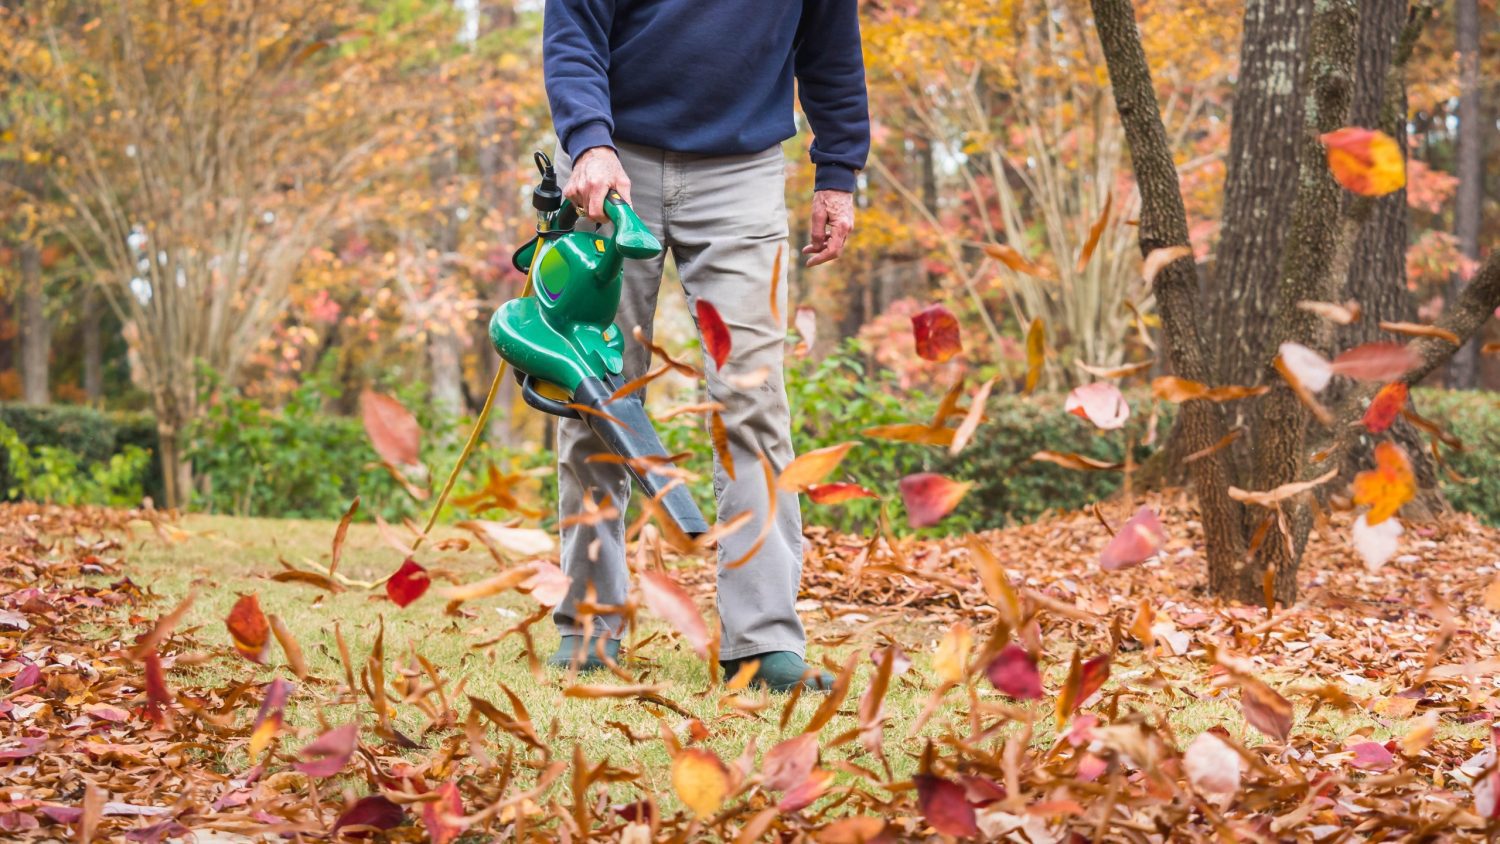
(781, 671)
(584, 652)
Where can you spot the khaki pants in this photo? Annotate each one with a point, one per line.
(723, 218)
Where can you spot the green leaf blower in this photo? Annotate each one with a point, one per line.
(562, 339)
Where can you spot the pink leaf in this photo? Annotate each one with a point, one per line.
(1100, 403)
(1138, 540)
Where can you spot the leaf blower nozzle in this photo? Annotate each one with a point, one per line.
(563, 343)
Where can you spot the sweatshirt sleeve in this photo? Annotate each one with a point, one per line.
(575, 68)
(830, 70)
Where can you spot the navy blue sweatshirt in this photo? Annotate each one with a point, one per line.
(711, 77)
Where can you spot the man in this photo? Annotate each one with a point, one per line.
(681, 106)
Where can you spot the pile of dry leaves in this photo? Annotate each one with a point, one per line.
(1062, 672)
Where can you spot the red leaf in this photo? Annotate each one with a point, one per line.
(807, 792)
(1014, 673)
(930, 497)
(1385, 407)
(673, 604)
(1372, 756)
(158, 697)
(327, 754)
(249, 629)
(715, 332)
(29, 675)
(409, 583)
(1377, 362)
(442, 817)
(392, 429)
(789, 762)
(375, 810)
(945, 806)
(268, 719)
(935, 329)
(837, 493)
(1138, 540)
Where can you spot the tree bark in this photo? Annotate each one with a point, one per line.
(1278, 434)
(1163, 223)
(36, 331)
(1260, 181)
(1470, 196)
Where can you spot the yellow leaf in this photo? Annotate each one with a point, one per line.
(1386, 487)
(953, 653)
(1364, 161)
(700, 780)
(1036, 352)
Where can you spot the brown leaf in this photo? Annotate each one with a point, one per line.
(1095, 231)
(1036, 353)
(1007, 255)
(912, 432)
(1273, 497)
(837, 493)
(1173, 389)
(720, 434)
(1160, 258)
(340, 534)
(1304, 395)
(1345, 314)
(163, 628)
(1264, 708)
(667, 360)
(392, 429)
(1223, 443)
(289, 646)
(1116, 371)
(776, 283)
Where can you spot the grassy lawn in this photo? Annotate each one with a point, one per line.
(225, 557)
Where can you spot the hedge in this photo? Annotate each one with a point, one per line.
(91, 434)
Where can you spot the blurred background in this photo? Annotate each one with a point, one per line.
(221, 221)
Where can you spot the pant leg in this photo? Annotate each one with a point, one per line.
(595, 554)
(727, 216)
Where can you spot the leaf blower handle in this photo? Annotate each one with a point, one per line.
(631, 236)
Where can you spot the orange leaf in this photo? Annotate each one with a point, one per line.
(1388, 486)
(249, 629)
(1084, 678)
(971, 420)
(1079, 462)
(1008, 256)
(1345, 314)
(837, 493)
(1116, 371)
(929, 497)
(443, 817)
(1364, 161)
(673, 604)
(811, 467)
(1095, 231)
(911, 432)
(1159, 259)
(1385, 407)
(952, 656)
(1036, 353)
(392, 429)
(935, 330)
(1273, 497)
(720, 436)
(715, 333)
(1173, 389)
(776, 283)
(700, 780)
(1416, 329)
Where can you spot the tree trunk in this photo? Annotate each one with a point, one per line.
(1470, 197)
(445, 357)
(93, 346)
(175, 408)
(36, 331)
(1260, 182)
(1278, 434)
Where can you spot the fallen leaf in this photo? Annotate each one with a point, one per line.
(912, 432)
(409, 583)
(935, 330)
(268, 719)
(547, 585)
(790, 761)
(1265, 708)
(809, 468)
(944, 806)
(1137, 541)
(674, 605)
(700, 780)
(716, 340)
(1101, 403)
(930, 497)
(375, 811)
(1274, 497)
(1372, 756)
(973, 417)
(1013, 671)
(806, 792)
(443, 817)
(1365, 161)
(329, 753)
(1084, 678)
(1116, 371)
(1173, 389)
(1345, 314)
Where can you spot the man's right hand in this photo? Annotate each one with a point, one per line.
(595, 173)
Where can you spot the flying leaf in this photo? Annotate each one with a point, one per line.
(443, 817)
(719, 433)
(1365, 161)
(1116, 371)
(1304, 395)
(249, 629)
(547, 584)
(1084, 678)
(1273, 497)
(1036, 353)
(1311, 368)
(158, 696)
(1100, 403)
(392, 429)
(700, 780)
(1376, 544)
(789, 762)
(513, 542)
(912, 432)
(1345, 314)
(952, 654)
(1079, 462)
(1159, 258)
(1095, 231)
(268, 719)
(1265, 708)
(806, 792)
(1137, 541)
(973, 417)
(1378, 362)
(1385, 407)
(1388, 486)
(329, 753)
(409, 583)
(929, 497)
(837, 493)
(375, 811)
(1013, 671)
(1417, 329)
(1007, 255)
(289, 646)
(776, 283)
(1212, 766)
(715, 333)
(674, 605)
(1173, 389)
(944, 806)
(805, 320)
(811, 467)
(935, 330)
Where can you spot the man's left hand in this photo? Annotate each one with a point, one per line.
(832, 221)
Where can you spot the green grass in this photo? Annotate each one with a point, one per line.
(225, 557)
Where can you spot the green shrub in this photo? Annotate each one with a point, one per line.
(1473, 417)
(59, 476)
(91, 436)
